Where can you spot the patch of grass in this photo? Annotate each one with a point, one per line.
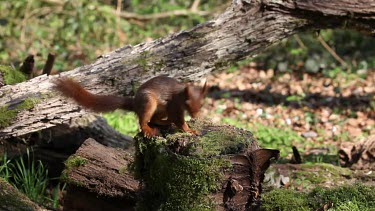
(30, 177)
(55, 197)
(272, 137)
(5, 168)
(11, 75)
(124, 122)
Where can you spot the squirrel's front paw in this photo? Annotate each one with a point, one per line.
(150, 132)
(194, 132)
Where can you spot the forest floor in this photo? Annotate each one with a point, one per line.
(325, 111)
(316, 113)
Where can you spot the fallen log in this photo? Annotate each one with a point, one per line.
(243, 30)
(12, 199)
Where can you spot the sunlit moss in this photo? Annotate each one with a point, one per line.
(348, 197)
(11, 75)
(183, 180)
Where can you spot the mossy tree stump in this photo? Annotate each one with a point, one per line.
(221, 169)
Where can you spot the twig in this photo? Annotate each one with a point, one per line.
(332, 52)
(27, 66)
(49, 64)
(299, 41)
(118, 19)
(195, 5)
(296, 158)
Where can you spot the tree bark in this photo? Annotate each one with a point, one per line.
(358, 155)
(243, 30)
(98, 177)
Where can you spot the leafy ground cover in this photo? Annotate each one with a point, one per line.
(309, 111)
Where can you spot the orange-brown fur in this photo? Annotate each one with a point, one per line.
(161, 100)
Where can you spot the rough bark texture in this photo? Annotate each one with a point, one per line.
(12, 199)
(243, 30)
(100, 172)
(360, 155)
(222, 168)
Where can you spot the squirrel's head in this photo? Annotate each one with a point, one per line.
(194, 98)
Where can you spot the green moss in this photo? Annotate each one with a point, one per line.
(320, 173)
(181, 171)
(285, 200)
(359, 195)
(74, 161)
(11, 75)
(123, 170)
(173, 181)
(8, 115)
(348, 197)
(221, 142)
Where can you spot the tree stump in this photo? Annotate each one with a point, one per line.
(98, 179)
(221, 169)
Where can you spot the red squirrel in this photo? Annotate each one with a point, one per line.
(161, 100)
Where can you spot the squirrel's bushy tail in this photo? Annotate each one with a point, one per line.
(98, 103)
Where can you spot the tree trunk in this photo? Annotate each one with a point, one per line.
(243, 30)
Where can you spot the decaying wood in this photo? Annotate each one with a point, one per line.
(27, 66)
(12, 199)
(49, 64)
(243, 30)
(239, 186)
(358, 155)
(104, 174)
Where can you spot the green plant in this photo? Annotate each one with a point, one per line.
(272, 137)
(54, 200)
(30, 177)
(124, 122)
(80, 31)
(5, 168)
